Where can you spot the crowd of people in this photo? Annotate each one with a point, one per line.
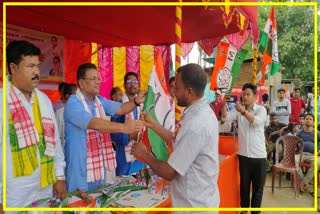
(84, 139)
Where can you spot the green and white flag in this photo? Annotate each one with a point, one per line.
(269, 44)
(227, 67)
(157, 105)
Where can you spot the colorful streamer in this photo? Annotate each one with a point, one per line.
(106, 70)
(146, 63)
(133, 61)
(94, 54)
(119, 66)
(178, 35)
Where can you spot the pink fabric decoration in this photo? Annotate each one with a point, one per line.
(237, 40)
(186, 48)
(105, 70)
(209, 44)
(133, 59)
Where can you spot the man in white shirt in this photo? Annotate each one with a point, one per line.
(193, 165)
(252, 149)
(37, 144)
(282, 107)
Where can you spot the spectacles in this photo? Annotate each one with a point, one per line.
(132, 81)
(93, 78)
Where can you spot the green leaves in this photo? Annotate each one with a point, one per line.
(295, 39)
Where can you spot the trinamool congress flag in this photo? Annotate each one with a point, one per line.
(157, 105)
(269, 44)
(227, 67)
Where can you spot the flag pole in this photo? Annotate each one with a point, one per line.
(255, 65)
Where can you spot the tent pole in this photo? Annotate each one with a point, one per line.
(178, 25)
(178, 35)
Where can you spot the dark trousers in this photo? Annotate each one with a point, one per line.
(252, 170)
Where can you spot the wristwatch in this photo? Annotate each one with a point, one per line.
(61, 178)
(135, 102)
(243, 113)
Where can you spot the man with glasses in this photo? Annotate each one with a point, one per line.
(126, 164)
(88, 149)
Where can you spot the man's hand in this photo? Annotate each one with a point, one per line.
(59, 189)
(239, 107)
(139, 150)
(148, 121)
(140, 97)
(133, 126)
(226, 98)
(134, 136)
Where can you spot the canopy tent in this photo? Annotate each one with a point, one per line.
(128, 27)
(115, 26)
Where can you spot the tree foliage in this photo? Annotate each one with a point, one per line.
(295, 39)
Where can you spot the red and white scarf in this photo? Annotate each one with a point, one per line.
(98, 154)
(26, 131)
(129, 116)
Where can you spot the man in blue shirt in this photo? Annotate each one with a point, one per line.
(87, 148)
(123, 141)
(307, 135)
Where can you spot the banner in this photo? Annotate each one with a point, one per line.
(227, 67)
(51, 47)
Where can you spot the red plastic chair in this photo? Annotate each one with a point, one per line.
(272, 138)
(287, 164)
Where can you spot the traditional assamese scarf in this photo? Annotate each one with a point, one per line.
(27, 137)
(129, 116)
(100, 153)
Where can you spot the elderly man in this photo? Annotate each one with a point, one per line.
(88, 148)
(35, 161)
(193, 166)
